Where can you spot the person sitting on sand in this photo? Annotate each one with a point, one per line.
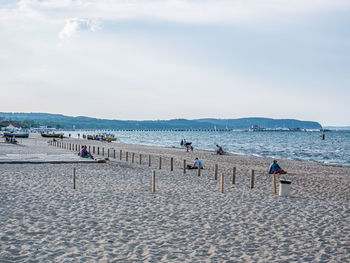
(197, 163)
(84, 153)
(276, 169)
(219, 150)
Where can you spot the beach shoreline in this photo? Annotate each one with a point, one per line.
(112, 215)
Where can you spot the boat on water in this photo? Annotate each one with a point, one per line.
(103, 137)
(52, 135)
(16, 134)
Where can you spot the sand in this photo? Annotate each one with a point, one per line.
(112, 215)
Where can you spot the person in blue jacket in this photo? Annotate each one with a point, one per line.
(276, 169)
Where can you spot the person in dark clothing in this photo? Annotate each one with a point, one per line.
(219, 150)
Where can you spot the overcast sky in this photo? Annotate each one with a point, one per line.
(144, 59)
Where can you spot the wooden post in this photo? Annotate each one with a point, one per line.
(184, 166)
(114, 153)
(89, 149)
(222, 184)
(216, 172)
(233, 175)
(127, 156)
(153, 181)
(93, 149)
(160, 163)
(108, 153)
(133, 157)
(199, 169)
(73, 178)
(98, 150)
(171, 164)
(252, 180)
(274, 183)
(149, 160)
(103, 151)
(121, 155)
(140, 159)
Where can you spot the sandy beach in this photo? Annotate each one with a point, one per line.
(112, 215)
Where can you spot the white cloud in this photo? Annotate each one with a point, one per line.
(75, 24)
(180, 11)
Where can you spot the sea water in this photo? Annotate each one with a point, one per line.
(298, 145)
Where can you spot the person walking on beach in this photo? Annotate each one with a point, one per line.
(186, 144)
(276, 169)
(197, 163)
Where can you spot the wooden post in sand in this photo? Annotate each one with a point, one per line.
(252, 179)
(153, 181)
(171, 164)
(149, 160)
(222, 184)
(199, 170)
(120, 155)
(127, 156)
(132, 157)
(73, 178)
(98, 150)
(140, 159)
(160, 163)
(89, 149)
(184, 166)
(233, 175)
(274, 183)
(108, 153)
(114, 153)
(93, 149)
(103, 151)
(216, 172)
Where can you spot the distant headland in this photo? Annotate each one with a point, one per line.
(34, 120)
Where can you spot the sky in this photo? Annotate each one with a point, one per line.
(166, 59)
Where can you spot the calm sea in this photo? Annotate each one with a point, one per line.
(334, 149)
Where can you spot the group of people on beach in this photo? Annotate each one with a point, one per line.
(274, 167)
(189, 146)
(198, 164)
(10, 139)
